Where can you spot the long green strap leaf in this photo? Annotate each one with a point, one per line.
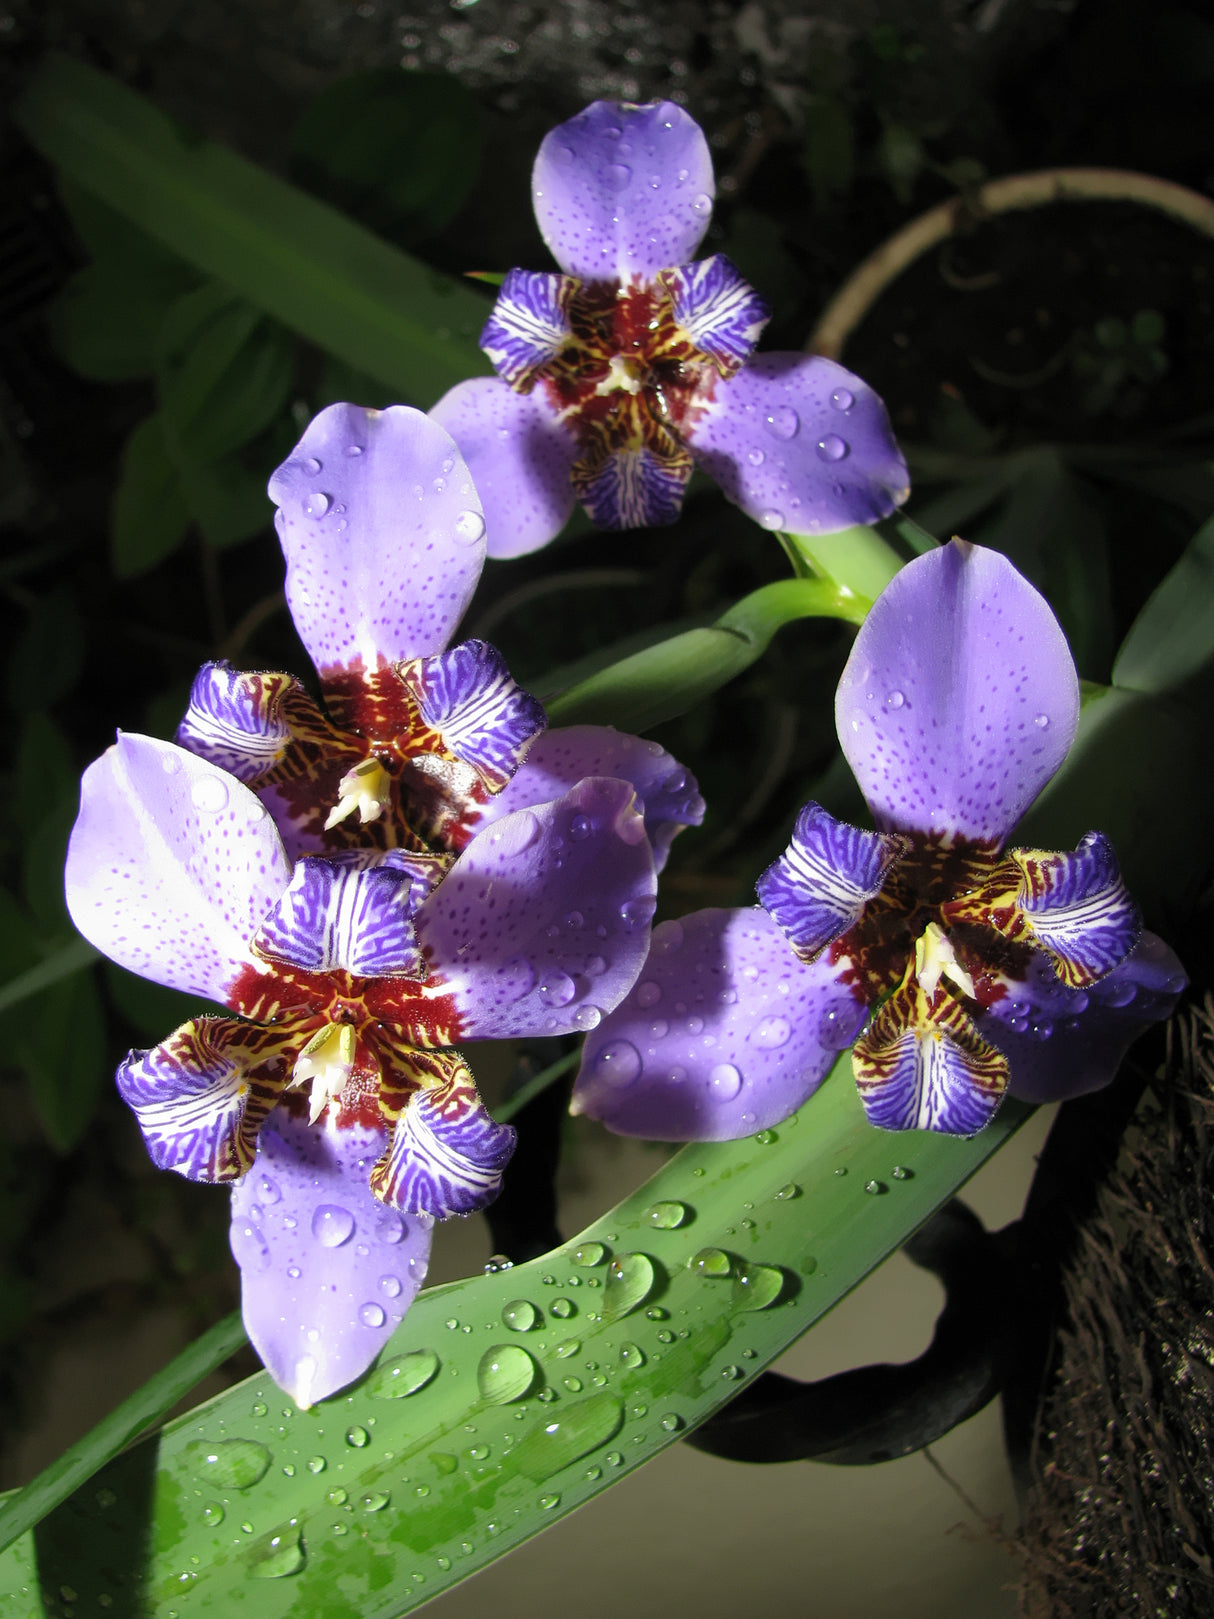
(504, 1401)
(389, 315)
(73, 958)
(667, 679)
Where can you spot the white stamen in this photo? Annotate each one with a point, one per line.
(366, 788)
(623, 371)
(935, 959)
(327, 1061)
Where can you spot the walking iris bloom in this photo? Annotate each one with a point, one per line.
(364, 889)
(958, 972)
(633, 364)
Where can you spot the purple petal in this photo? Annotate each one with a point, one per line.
(237, 721)
(327, 1272)
(542, 923)
(725, 1032)
(1077, 908)
(560, 758)
(447, 1154)
(480, 714)
(959, 700)
(633, 488)
(171, 865)
(922, 1065)
(800, 444)
(340, 914)
(201, 1095)
(621, 192)
(1062, 1042)
(722, 314)
(818, 888)
(519, 456)
(529, 325)
(383, 535)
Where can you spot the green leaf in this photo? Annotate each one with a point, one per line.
(399, 151)
(667, 679)
(151, 511)
(829, 152)
(223, 373)
(294, 257)
(45, 773)
(154, 1010)
(1173, 635)
(46, 655)
(104, 322)
(229, 499)
(18, 936)
(60, 1043)
(548, 1449)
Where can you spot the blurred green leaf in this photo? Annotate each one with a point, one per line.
(901, 156)
(105, 321)
(45, 773)
(154, 1010)
(151, 510)
(829, 150)
(1173, 635)
(60, 1042)
(229, 499)
(46, 656)
(42, 870)
(399, 151)
(294, 257)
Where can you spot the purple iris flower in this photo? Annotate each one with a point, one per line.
(636, 362)
(418, 746)
(333, 1098)
(957, 971)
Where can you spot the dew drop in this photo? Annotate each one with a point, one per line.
(843, 399)
(575, 1431)
(390, 1286)
(316, 1464)
(332, 1225)
(630, 1280)
(354, 449)
(1041, 721)
(170, 763)
(587, 1017)
(312, 464)
(672, 1422)
(755, 1287)
(371, 1315)
(468, 527)
(772, 519)
(710, 1262)
(212, 1514)
(573, 1384)
(209, 794)
(403, 1375)
(505, 1373)
(267, 1190)
(516, 832)
(337, 1496)
(375, 1501)
(357, 1437)
(519, 1315)
(782, 422)
(837, 1025)
(228, 1464)
(632, 1356)
(567, 1347)
(666, 1216)
(895, 699)
(317, 504)
(901, 1173)
(580, 828)
(548, 1502)
(617, 1064)
(832, 447)
(562, 1308)
(725, 1080)
(589, 1253)
(755, 457)
(788, 1191)
(875, 1188)
(557, 988)
(249, 1247)
(638, 913)
(702, 205)
(648, 994)
(772, 1033)
(277, 1554)
(616, 176)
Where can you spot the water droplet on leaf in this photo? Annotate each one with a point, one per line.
(757, 1286)
(228, 1464)
(519, 1315)
(666, 1216)
(505, 1373)
(630, 1280)
(403, 1375)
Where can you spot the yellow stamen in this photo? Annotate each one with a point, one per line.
(935, 959)
(623, 371)
(326, 1061)
(366, 788)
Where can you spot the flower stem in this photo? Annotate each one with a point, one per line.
(857, 559)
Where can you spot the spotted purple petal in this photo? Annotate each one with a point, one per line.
(819, 886)
(519, 455)
(340, 914)
(632, 488)
(237, 722)
(542, 923)
(1077, 909)
(721, 313)
(1063, 1042)
(529, 324)
(560, 758)
(623, 191)
(447, 1154)
(201, 1096)
(171, 865)
(724, 1033)
(960, 699)
(383, 533)
(327, 1272)
(800, 444)
(481, 715)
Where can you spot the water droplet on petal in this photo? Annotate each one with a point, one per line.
(843, 399)
(616, 176)
(557, 988)
(267, 1190)
(667, 1215)
(895, 700)
(629, 1282)
(209, 794)
(782, 422)
(317, 504)
(772, 1033)
(468, 527)
(771, 519)
(564, 155)
(832, 447)
(390, 1286)
(617, 1064)
(588, 1017)
(1041, 721)
(332, 1225)
(505, 1373)
(725, 1080)
(702, 205)
(249, 1248)
(372, 1315)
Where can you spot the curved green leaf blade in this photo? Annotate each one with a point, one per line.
(481, 1424)
(1173, 635)
(303, 262)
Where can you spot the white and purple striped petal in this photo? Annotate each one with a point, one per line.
(541, 925)
(724, 1033)
(819, 886)
(800, 444)
(236, 720)
(468, 697)
(1062, 1042)
(1077, 909)
(447, 1154)
(200, 1096)
(623, 191)
(519, 455)
(529, 324)
(383, 533)
(721, 313)
(327, 1272)
(632, 488)
(959, 700)
(560, 758)
(340, 914)
(171, 866)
